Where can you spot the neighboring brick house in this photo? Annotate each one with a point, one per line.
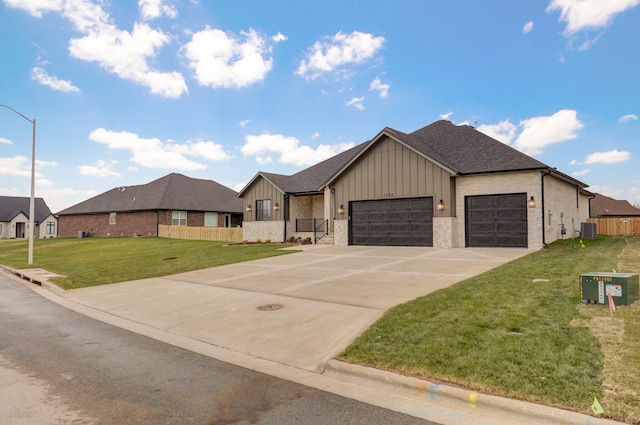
(443, 185)
(138, 210)
(14, 218)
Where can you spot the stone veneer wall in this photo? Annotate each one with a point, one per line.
(263, 230)
(496, 184)
(445, 232)
(341, 232)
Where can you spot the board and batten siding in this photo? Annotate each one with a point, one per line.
(391, 170)
(262, 189)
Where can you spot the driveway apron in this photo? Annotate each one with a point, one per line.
(300, 309)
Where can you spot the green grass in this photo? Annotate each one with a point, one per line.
(99, 261)
(501, 332)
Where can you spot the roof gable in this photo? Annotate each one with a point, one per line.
(11, 206)
(173, 191)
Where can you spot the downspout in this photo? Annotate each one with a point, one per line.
(543, 223)
(157, 223)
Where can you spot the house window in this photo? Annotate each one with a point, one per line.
(263, 210)
(178, 218)
(112, 218)
(51, 227)
(211, 219)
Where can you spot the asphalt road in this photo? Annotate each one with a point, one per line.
(59, 367)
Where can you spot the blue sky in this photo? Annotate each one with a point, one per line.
(125, 92)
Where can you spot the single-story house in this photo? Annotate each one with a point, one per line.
(603, 206)
(14, 218)
(443, 185)
(138, 210)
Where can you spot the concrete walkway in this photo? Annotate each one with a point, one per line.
(317, 301)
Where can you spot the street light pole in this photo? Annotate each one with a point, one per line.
(32, 199)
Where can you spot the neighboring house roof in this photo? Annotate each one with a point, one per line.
(603, 206)
(462, 150)
(11, 206)
(173, 191)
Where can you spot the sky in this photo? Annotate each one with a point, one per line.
(125, 92)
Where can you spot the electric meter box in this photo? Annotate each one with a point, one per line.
(623, 287)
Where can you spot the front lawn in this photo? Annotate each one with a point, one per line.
(98, 261)
(518, 331)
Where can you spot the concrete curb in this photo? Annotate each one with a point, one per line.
(525, 411)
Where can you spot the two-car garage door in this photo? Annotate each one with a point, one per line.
(496, 221)
(490, 221)
(392, 222)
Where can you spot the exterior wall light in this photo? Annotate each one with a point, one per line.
(276, 207)
(532, 202)
(341, 209)
(249, 209)
(440, 205)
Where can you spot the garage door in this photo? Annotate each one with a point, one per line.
(397, 222)
(496, 220)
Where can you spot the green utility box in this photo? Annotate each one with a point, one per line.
(623, 287)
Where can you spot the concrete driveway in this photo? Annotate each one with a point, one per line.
(315, 302)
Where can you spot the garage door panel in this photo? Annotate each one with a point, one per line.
(496, 220)
(398, 222)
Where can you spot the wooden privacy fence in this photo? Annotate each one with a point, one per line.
(617, 226)
(221, 234)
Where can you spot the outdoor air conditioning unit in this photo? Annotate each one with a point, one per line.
(589, 230)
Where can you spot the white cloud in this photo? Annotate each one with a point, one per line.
(581, 15)
(125, 54)
(446, 116)
(279, 37)
(382, 89)
(17, 166)
(153, 153)
(208, 150)
(40, 163)
(35, 7)
(610, 157)
(527, 28)
(20, 166)
(222, 59)
(315, 135)
(504, 131)
(629, 117)
(100, 169)
(153, 9)
(580, 173)
(333, 52)
(290, 149)
(243, 123)
(540, 132)
(41, 76)
(356, 102)
(4, 141)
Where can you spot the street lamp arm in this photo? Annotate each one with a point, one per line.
(28, 119)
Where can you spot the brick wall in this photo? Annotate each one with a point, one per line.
(144, 223)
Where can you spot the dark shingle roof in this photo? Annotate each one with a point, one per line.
(603, 206)
(313, 178)
(11, 206)
(460, 149)
(466, 150)
(174, 191)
